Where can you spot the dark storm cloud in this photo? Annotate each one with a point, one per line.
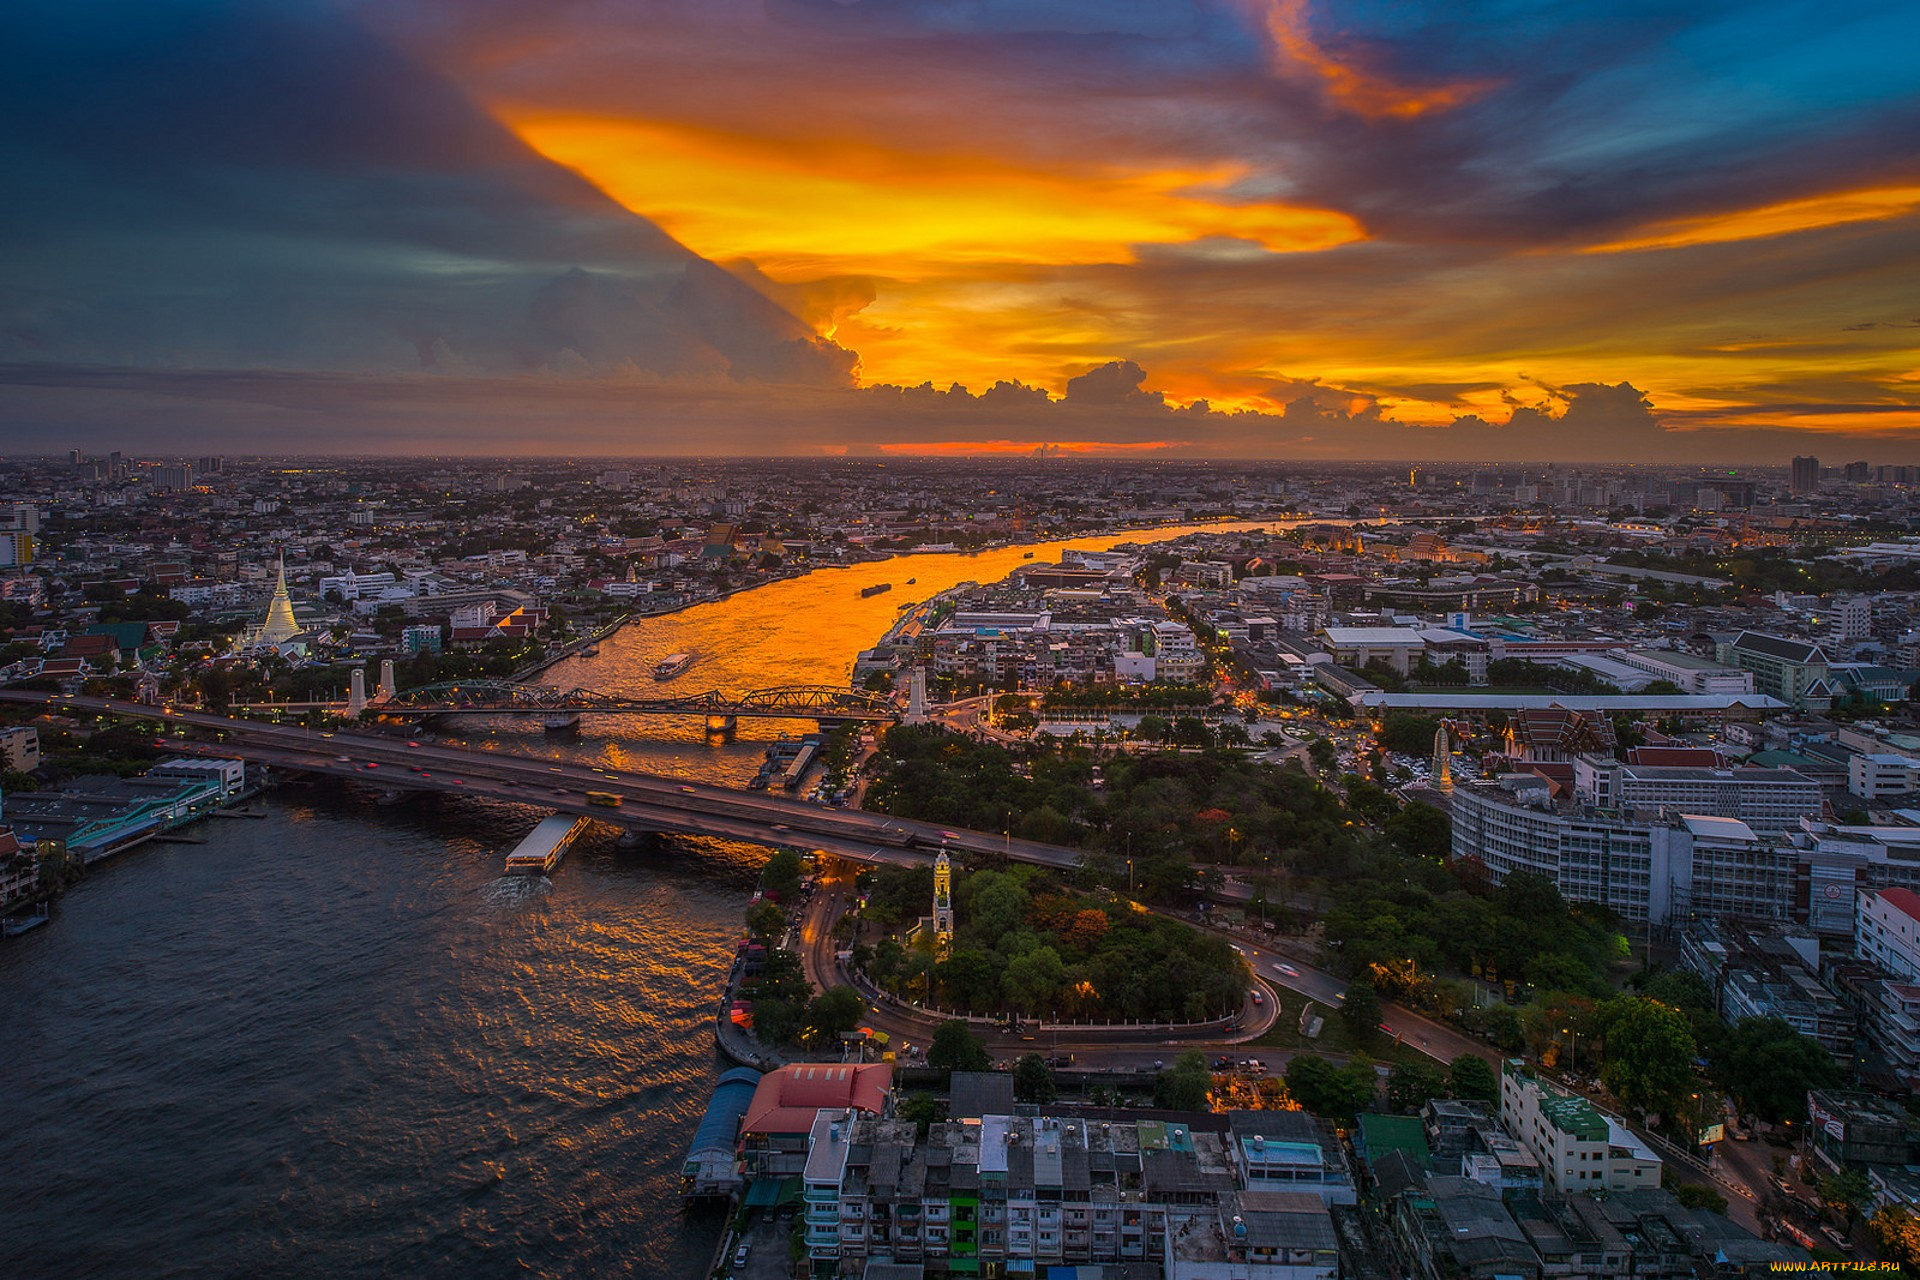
(249, 184)
(1116, 382)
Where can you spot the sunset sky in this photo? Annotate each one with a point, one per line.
(1618, 230)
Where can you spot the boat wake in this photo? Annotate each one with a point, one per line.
(511, 892)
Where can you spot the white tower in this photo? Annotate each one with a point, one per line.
(386, 678)
(357, 691)
(917, 696)
(942, 906)
(1441, 777)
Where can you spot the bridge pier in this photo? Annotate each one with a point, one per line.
(722, 723)
(561, 722)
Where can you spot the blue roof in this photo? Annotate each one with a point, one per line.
(720, 1127)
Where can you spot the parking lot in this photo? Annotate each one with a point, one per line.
(766, 1242)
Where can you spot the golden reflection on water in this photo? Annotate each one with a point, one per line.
(805, 630)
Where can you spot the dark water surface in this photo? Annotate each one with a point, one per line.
(337, 1043)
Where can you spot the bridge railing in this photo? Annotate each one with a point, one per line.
(478, 696)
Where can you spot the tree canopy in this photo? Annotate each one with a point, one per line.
(1649, 1052)
(1337, 1093)
(1768, 1067)
(956, 1048)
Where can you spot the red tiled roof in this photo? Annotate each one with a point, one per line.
(1707, 757)
(1905, 901)
(787, 1099)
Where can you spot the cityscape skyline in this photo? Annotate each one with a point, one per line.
(1264, 230)
(1031, 864)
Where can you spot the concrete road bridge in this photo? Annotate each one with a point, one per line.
(638, 801)
(562, 708)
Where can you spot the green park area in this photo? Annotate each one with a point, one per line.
(1027, 943)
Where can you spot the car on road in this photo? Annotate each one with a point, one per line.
(1222, 1064)
(740, 1255)
(1384, 1027)
(1257, 997)
(371, 765)
(1287, 969)
(413, 744)
(688, 790)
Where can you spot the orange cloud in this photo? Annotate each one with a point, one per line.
(1370, 96)
(1875, 204)
(1001, 448)
(838, 206)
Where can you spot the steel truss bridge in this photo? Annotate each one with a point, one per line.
(499, 697)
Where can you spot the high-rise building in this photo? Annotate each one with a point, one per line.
(1806, 474)
(1858, 473)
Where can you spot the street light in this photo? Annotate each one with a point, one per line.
(1573, 1036)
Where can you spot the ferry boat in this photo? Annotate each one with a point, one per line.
(591, 651)
(1027, 556)
(545, 845)
(878, 588)
(672, 665)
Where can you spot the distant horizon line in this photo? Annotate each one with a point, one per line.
(955, 459)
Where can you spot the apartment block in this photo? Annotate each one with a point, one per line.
(1579, 1147)
(1886, 930)
(1007, 1195)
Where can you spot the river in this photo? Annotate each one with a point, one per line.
(335, 1042)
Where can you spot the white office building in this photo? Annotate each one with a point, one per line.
(1886, 930)
(1692, 673)
(1771, 801)
(1872, 775)
(1660, 869)
(1579, 1147)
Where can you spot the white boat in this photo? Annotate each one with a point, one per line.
(672, 665)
